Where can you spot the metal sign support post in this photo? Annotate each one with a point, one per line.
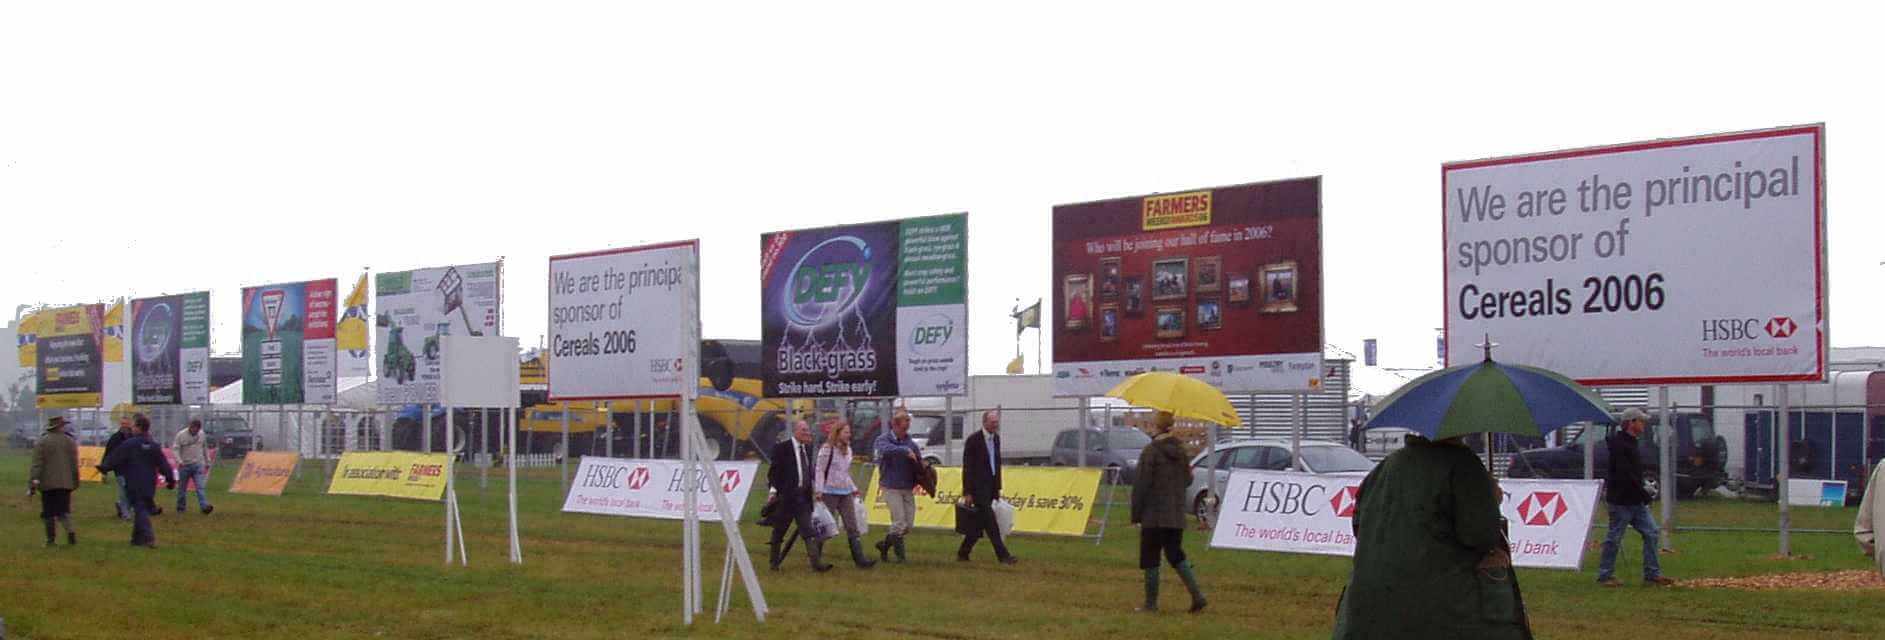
(695, 467)
(608, 421)
(948, 430)
(510, 469)
(1782, 461)
(484, 449)
(1590, 449)
(451, 501)
(563, 480)
(1297, 402)
(1668, 473)
(1084, 412)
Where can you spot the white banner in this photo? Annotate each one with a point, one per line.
(933, 359)
(653, 488)
(416, 310)
(615, 322)
(1547, 520)
(1702, 259)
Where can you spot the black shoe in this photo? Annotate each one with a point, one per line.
(71, 538)
(1010, 560)
(962, 557)
(883, 550)
(209, 509)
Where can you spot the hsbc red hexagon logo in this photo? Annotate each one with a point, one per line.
(1542, 508)
(638, 478)
(729, 480)
(1344, 501)
(1781, 327)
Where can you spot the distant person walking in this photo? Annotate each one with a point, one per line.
(140, 461)
(791, 499)
(192, 447)
(111, 444)
(1158, 508)
(54, 476)
(838, 491)
(899, 461)
(1871, 516)
(981, 486)
(1629, 503)
(1431, 559)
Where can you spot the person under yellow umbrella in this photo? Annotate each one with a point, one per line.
(1158, 491)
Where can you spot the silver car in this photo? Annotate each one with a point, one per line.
(1265, 454)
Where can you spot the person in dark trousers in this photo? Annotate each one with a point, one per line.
(54, 476)
(140, 461)
(111, 444)
(1158, 508)
(981, 486)
(790, 482)
(1629, 504)
(1431, 558)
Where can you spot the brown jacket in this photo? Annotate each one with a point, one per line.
(1158, 492)
(56, 461)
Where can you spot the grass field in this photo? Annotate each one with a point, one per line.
(306, 566)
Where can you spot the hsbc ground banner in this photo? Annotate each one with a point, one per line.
(866, 310)
(1548, 521)
(1689, 261)
(655, 488)
(1223, 284)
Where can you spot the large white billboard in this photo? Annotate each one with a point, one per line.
(616, 321)
(1547, 521)
(1689, 261)
(417, 309)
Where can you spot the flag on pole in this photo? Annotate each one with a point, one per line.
(28, 335)
(350, 337)
(114, 333)
(1029, 318)
(1368, 352)
(1014, 366)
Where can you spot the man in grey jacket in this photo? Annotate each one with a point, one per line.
(192, 447)
(54, 476)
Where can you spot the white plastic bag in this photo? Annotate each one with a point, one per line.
(1004, 517)
(863, 515)
(823, 526)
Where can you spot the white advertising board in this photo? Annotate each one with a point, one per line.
(654, 488)
(1690, 261)
(615, 321)
(1548, 520)
(417, 309)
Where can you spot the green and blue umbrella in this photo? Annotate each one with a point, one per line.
(1489, 397)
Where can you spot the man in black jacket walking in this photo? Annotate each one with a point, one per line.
(1629, 503)
(139, 461)
(111, 444)
(981, 484)
(790, 479)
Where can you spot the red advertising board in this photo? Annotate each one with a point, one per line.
(1222, 283)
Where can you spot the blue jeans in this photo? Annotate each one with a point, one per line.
(194, 475)
(1636, 516)
(124, 498)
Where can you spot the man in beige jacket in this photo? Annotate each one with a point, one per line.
(54, 476)
(192, 447)
(1871, 515)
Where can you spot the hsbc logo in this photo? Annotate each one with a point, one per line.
(1344, 501)
(729, 480)
(638, 478)
(1542, 509)
(1781, 327)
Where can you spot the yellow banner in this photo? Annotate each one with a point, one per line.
(351, 333)
(114, 333)
(1056, 501)
(265, 473)
(28, 336)
(89, 459)
(1176, 210)
(396, 474)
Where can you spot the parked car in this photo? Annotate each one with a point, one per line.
(927, 430)
(24, 431)
(1265, 454)
(94, 434)
(1701, 456)
(231, 437)
(1117, 448)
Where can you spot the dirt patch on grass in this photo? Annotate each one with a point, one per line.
(1858, 580)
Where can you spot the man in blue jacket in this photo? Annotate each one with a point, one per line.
(899, 459)
(139, 460)
(1629, 503)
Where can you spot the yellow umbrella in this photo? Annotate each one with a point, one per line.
(1183, 396)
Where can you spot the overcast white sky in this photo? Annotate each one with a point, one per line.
(148, 148)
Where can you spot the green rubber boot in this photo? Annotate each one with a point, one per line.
(1191, 584)
(1151, 591)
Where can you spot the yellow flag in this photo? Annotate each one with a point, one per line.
(1015, 366)
(114, 333)
(28, 330)
(351, 335)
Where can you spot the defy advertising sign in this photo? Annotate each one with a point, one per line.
(655, 488)
(1702, 259)
(1547, 521)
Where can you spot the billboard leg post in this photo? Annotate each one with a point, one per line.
(510, 469)
(1783, 458)
(563, 480)
(1668, 471)
(451, 490)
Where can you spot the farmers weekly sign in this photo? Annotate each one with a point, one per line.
(1691, 261)
(875, 309)
(288, 343)
(170, 349)
(416, 309)
(655, 488)
(1548, 520)
(70, 367)
(616, 321)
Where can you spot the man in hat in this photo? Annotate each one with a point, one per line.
(54, 476)
(1629, 503)
(140, 461)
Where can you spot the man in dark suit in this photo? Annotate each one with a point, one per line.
(140, 461)
(981, 484)
(790, 479)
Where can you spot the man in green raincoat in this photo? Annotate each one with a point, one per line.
(1431, 560)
